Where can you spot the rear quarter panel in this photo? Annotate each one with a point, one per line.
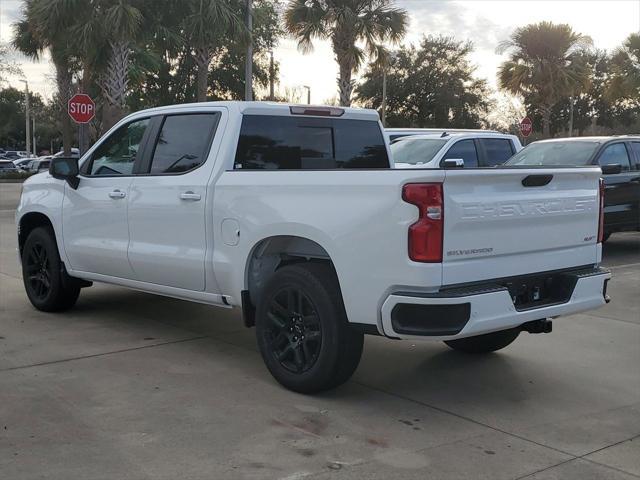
(357, 216)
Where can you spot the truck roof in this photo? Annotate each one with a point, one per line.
(601, 139)
(476, 134)
(270, 108)
(416, 131)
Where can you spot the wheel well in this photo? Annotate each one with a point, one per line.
(29, 222)
(267, 257)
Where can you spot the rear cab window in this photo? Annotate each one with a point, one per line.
(615, 154)
(274, 142)
(496, 151)
(635, 148)
(183, 142)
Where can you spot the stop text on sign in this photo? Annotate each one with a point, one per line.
(81, 108)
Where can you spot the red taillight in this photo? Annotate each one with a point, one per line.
(601, 214)
(425, 236)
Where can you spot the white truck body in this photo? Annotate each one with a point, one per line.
(215, 233)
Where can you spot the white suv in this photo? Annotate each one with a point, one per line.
(472, 149)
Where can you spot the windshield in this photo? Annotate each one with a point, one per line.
(416, 150)
(572, 154)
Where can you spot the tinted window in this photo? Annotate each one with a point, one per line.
(571, 153)
(498, 151)
(615, 154)
(183, 142)
(416, 150)
(635, 146)
(466, 150)
(277, 142)
(117, 154)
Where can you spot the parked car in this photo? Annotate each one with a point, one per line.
(40, 164)
(7, 166)
(619, 158)
(477, 149)
(22, 163)
(75, 152)
(292, 216)
(16, 154)
(394, 134)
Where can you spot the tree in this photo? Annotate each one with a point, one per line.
(45, 26)
(624, 82)
(7, 67)
(108, 31)
(208, 24)
(431, 85)
(175, 78)
(12, 120)
(346, 23)
(544, 61)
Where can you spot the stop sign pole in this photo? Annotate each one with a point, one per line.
(82, 110)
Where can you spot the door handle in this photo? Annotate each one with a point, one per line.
(117, 194)
(190, 196)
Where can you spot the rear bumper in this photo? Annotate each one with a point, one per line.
(489, 307)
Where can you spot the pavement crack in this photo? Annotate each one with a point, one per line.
(102, 354)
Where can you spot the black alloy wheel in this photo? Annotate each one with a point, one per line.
(302, 329)
(47, 284)
(294, 330)
(38, 271)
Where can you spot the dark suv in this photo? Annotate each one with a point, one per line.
(619, 158)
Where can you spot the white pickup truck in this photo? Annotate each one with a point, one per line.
(292, 216)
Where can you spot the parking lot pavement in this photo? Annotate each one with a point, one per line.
(134, 386)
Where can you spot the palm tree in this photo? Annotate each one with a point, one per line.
(45, 26)
(544, 61)
(346, 23)
(624, 82)
(116, 24)
(205, 25)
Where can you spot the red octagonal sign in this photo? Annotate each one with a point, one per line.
(526, 127)
(81, 108)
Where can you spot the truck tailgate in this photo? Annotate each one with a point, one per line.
(511, 221)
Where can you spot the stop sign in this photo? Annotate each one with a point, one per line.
(526, 127)
(81, 108)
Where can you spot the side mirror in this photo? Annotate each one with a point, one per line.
(453, 163)
(65, 168)
(612, 169)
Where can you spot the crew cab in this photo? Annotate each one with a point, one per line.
(468, 149)
(619, 158)
(292, 216)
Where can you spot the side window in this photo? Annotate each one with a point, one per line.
(183, 142)
(278, 142)
(498, 150)
(614, 154)
(117, 154)
(635, 146)
(466, 150)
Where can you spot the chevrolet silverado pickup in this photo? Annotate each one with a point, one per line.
(292, 216)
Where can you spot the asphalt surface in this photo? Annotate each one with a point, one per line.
(133, 386)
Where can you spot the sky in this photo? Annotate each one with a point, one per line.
(484, 22)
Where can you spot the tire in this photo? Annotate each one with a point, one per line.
(46, 282)
(302, 329)
(487, 343)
